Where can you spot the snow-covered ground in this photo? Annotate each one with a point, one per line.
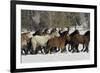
(55, 57)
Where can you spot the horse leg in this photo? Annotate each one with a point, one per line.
(39, 48)
(26, 51)
(76, 47)
(51, 50)
(63, 50)
(54, 49)
(46, 49)
(69, 48)
(57, 49)
(83, 48)
(31, 51)
(42, 50)
(22, 50)
(73, 48)
(86, 49)
(36, 51)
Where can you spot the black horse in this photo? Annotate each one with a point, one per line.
(72, 44)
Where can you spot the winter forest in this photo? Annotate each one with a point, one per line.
(37, 20)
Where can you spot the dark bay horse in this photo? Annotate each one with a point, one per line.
(77, 39)
(72, 43)
(86, 43)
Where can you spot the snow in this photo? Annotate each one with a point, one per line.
(55, 57)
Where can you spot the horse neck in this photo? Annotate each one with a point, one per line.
(87, 34)
(47, 36)
(51, 36)
(63, 37)
(54, 34)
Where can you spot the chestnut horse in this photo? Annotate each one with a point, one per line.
(57, 42)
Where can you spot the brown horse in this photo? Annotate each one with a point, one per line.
(77, 39)
(57, 42)
(86, 43)
(72, 41)
(25, 40)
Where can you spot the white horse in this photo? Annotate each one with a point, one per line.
(38, 40)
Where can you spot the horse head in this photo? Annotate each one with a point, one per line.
(55, 34)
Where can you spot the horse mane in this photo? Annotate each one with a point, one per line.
(53, 30)
(37, 33)
(87, 33)
(63, 33)
(24, 35)
(75, 32)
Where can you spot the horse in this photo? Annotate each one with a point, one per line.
(39, 41)
(62, 34)
(77, 39)
(71, 42)
(86, 43)
(25, 39)
(57, 42)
